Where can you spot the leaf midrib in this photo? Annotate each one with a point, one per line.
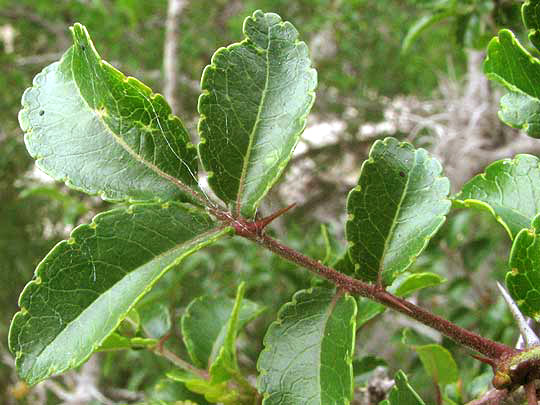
(241, 182)
(394, 220)
(187, 244)
(185, 188)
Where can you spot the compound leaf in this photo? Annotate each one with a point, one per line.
(523, 280)
(508, 189)
(85, 123)
(204, 325)
(86, 285)
(308, 351)
(509, 63)
(403, 393)
(399, 203)
(256, 97)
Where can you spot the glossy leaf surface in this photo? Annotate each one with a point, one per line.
(509, 63)
(509, 189)
(523, 280)
(307, 356)
(399, 203)
(85, 123)
(204, 325)
(86, 285)
(256, 97)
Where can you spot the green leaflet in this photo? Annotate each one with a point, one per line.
(255, 100)
(509, 189)
(308, 350)
(86, 285)
(398, 205)
(205, 322)
(509, 63)
(85, 123)
(523, 280)
(403, 393)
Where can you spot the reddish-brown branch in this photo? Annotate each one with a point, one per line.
(487, 347)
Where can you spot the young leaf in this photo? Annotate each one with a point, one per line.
(222, 393)
(256, 97)
(155, 319)
(204, 325)
(417, 281)
(308, 351)
(422, 24)
(225, 365)
(507, 189)
(115, 341)
(520, 76)
(404, 285)
(399, 203)
(438, 362)
(170, 392)
(523, 280)
(86, 285)
(403, 393)
(85, 123)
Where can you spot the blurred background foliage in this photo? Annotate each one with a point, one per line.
(407, 68)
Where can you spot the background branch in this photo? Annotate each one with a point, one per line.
(170, 53)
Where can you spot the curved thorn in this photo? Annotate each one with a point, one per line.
(485, 360)
(526, 332)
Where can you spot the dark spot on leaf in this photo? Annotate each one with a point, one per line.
(83, 48)
(402, 174)
(41, 112)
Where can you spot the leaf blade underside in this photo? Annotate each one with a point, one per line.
(508, 189)
(85, 123)
(85, 286)
(308, 351)
(255, 100)
(398, 205)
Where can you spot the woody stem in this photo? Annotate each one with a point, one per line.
(487, 347)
